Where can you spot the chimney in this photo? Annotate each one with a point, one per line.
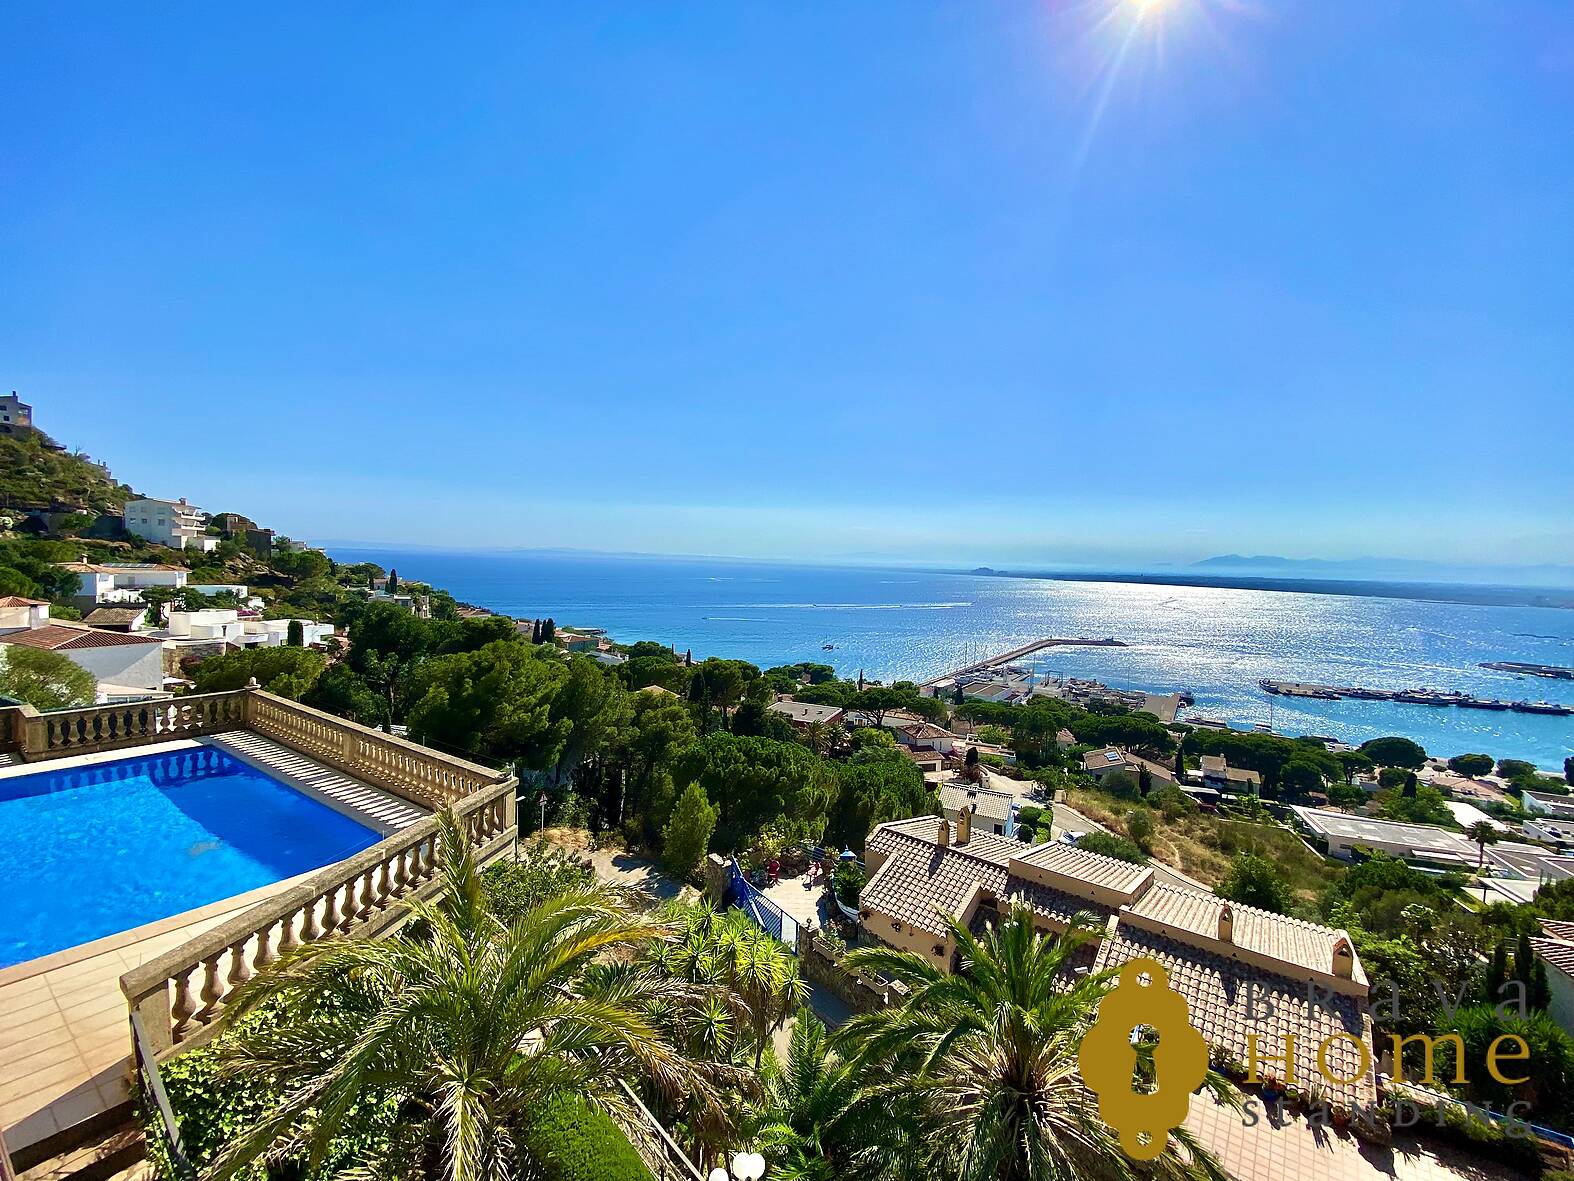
(1226, 924)
(944, 837)
(1344, 959)
(964, 823)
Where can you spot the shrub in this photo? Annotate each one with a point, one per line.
(1172, 802)
(213, 1108)
(570, 1140)
(1255, 881)
(514, 888)
(1139, 827)
(1111, 845)
(848, 881)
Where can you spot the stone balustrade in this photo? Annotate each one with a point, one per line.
(178, 996)
(94, 728)
(405, 768)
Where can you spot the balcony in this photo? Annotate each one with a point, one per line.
(67, 1018)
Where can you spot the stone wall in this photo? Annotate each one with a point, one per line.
(820, 964)
(716, 879)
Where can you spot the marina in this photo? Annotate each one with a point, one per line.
(1555, 671)
(1432, 697)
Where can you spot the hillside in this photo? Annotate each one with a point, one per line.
(32, 475)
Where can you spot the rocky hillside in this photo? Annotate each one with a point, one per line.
(34, 475)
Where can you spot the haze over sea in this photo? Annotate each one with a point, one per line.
(897, 623)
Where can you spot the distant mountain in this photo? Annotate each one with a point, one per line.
(1387, 569)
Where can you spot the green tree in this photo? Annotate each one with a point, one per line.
(1516, 769)
(982, 1066)
(289, 672)
(1255, 881)
(687, 835)
(758, 781)
(295, 634)
(433, 1022)
(496, 701)
(1114, 846)
(814, 1124)
(730, 950)
(1346, 796)
(1483, 833)
(1471, 765)
(44, 679)
(1301, 776)
(875, 786)
(1139, 827)
(1354, 763)
(1394, 752)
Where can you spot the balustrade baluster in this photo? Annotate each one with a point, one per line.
(184, 1006)
(364, 910)
(240, 968)
(384, 885)
(210, 991)
(265, 950)
(287, 938)
(312, 931)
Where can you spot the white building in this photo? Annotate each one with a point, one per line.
(19, 614)
(169, 522)
(114, 583)
(15, 414)
(125, 666)
(272, 633)
(210, 623)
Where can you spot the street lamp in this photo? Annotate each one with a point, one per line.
(746, 1166)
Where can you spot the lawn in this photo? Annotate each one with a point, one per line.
(1202, 845)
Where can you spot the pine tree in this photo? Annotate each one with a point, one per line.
(1180, 764)
(548, 631)
(688, 657)
(688, 832)
(1144, 781)
(961, 698)
(393, 581)
(1540, 990)
(535, 631)
(1525, 962)
(1497, 973)
(295, 634)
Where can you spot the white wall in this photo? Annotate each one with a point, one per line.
(138, 665)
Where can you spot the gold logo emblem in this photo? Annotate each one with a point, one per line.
(1143, 1120)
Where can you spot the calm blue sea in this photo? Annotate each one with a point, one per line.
(894, 623)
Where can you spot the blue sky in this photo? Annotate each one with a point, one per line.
(1003, 282)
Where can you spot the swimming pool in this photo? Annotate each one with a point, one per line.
(101, 848)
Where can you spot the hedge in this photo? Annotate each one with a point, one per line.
(572, 1140)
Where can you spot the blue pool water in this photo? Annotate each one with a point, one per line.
(99, 849)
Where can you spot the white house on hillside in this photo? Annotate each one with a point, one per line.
(125, 666)
(169, 522)
(99, 582)
(19, 614)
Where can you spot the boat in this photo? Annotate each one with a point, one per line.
(828, 647)
(1482, 703)
(1422, 697)
(1541, 707)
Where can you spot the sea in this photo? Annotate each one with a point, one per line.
(1215, 642)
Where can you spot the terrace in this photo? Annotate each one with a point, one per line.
(326, 824)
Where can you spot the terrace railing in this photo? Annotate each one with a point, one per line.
(179, 996)
(94, 728)
(419, 774)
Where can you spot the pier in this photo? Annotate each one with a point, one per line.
(990, 662)
(1433, 697)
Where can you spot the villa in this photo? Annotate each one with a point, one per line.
(804, 714)
(189, 842)
(105, 582)
(125, 664)
(1241, 970)
(169, 522)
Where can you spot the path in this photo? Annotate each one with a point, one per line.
(640, 875)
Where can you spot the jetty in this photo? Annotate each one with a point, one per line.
(990, 662)
(1433, 697)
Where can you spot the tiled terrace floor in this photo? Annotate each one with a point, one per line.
(1294, 1151)
(64, 1028)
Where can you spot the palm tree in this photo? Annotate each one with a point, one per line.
(813, 1122)
(463, 1023)
(1483, 834)
(983, 1063)
(729, 950)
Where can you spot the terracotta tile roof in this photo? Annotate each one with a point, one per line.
(993, 806)
(57, 637)
(1053, 904)
(1292, 942)
(1093, 868)
(921, 880)
(1558, 929)
(113, 616)
(1229, 1000)
(19, 601)
(1557, 953)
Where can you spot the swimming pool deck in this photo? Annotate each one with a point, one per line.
(64, 1025)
